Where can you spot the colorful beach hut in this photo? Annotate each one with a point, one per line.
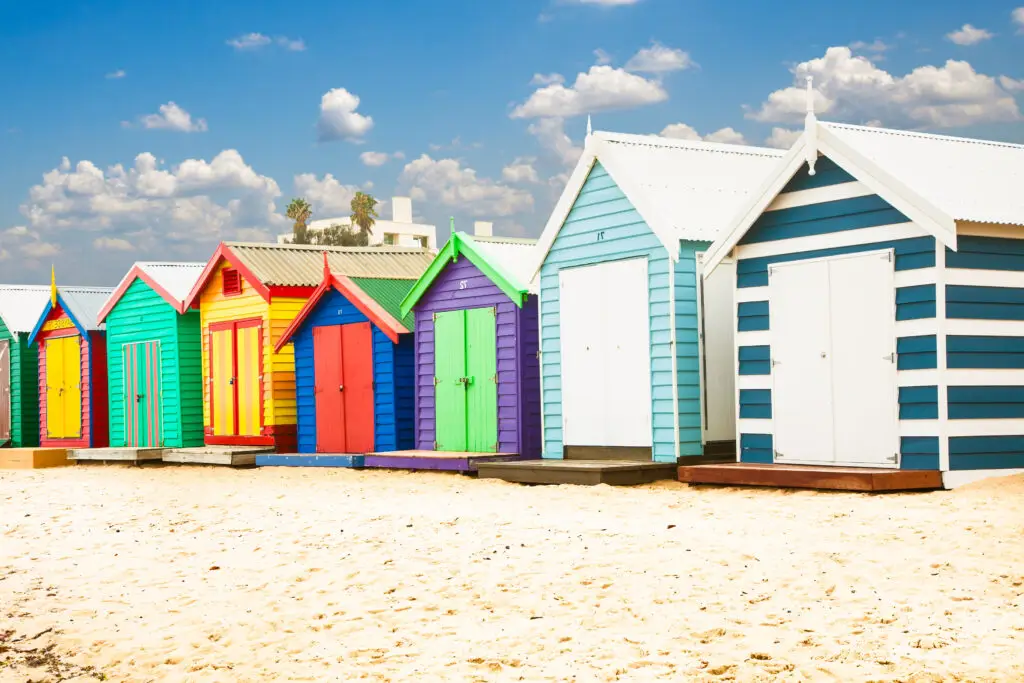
(353, 365)
(72, 348)
(476, 373)
(635, 360)
(20, 307)
(154, 358)
(880, 312)
(247, 296)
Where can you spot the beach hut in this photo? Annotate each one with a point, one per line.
(20, 307)
(634, 350)
(72, 348)
(353, 368)
(476, 374)
(880, 315)
(248, 295)
(154, 364)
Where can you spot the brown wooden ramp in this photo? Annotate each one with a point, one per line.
(812, 477)
(584, 472)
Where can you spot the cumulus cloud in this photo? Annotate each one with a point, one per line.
(112, 244)
(173, 117)
(659, 59)
(327, 195)
(255, 41)
(551, 135)
(1011, 84)
(852, 88)
(1017, 16)
(681, 131)
(39, 249)
(969, 35)
(448, 183)
(379, 158)
(547, 79)
(339, 119)
(783, 138)
(520, 171)
(600, 89)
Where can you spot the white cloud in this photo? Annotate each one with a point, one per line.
(547, 79)
(291, 44)
(173, 117)
(375, 158)
(601, 56)
(520, 171)
(448, 183)
(112, 244)
(852, 88)
(39, 249)
(120, 73)
(328, 196)
(600, 89)
(551, 135)
(249, 41)
(339, 119)
(783, 138)
(877, 45)
(681, 131)
(1018, 18)
(1011, 84)
(659, 59)
(969, 35)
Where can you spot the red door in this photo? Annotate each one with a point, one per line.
(343, 367)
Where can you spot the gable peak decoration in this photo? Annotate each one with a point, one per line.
(53, 287)
(810, 129)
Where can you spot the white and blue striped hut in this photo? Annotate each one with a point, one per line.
(880, 304)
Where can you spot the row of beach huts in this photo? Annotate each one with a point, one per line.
(847, 314)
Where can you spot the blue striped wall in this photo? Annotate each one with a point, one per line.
(986, 452)
(752, 316)
(985, 403)
(755, 360)
(970, 351)
(919, 453)
(914, 303)
(839, 215)
(688, 349)
(919, 403)
(756, 403)
(756, 448)
(916, 353)
(603, 226)
(986, 253)
(984, 303)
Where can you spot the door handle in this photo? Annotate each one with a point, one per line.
(231, 380)
(138, 397)
(341, 387)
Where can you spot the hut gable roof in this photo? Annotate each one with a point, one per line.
(172, 281)
(20, 306)
(81, 304)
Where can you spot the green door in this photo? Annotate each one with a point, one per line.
(465, 381)
(141, 394)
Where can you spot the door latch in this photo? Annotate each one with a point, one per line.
(891, 358)
(341, 387)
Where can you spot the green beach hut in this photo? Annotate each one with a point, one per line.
(20, 307)
(154, 348)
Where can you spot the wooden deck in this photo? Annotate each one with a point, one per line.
(136, 455)
(309, 460)
(33, 458)
(812, 477)
(232, 456)
(449, 461)
(583, 472)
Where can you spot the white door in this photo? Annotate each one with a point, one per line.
(801, 371)
(864, 395)
(717, 338)
(605, 355)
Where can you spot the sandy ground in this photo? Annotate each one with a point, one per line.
(198, 574)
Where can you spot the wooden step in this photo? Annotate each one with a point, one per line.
(33, 458)
(582, 472)
(117, 454)
(450, 461)
(232, 456)
(812, 477)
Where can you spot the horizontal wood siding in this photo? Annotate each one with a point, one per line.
(756, 404)
(752, 316)
(826, 174)
(919, 403)
(755, 360)
(529, 378)
(460, 286)
(986, 253)
(688, 359)
(279, 392)
(604, 226)
(827, 217)
(984, 303)
(757, 448)
(916, 353)
(919, 453)
(981, 352)
(190, 378)
(985, 402)
(405, 391)
(986, 452)
(915, 303)
(24, 389)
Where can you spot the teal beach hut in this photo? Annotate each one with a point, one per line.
(20, 307)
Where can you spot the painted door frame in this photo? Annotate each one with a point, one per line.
(5, 390)
(234, 326)
(473, 411)
(69, 333)
(365, 329)
(158, 386)
(701, 334)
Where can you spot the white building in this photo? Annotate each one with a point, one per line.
(399, 231)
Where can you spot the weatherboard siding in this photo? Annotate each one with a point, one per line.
(687, 326)
(461, 286)
(189, 340)
(604, 226)
(24, 389)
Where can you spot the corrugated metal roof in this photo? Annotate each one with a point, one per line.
(696, 186)
(177, 278)
(970, 180)
(292, 265)
(389, 294)
(21, 306)
(84, 303)
(517, 257)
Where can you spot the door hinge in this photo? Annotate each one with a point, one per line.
(435, 317)
(495, 446)
(538, 354)
(494, 309)
(495, 378)
(435, 446)
(891, 358)
(436, 381)
(775, 362)
(373, 385)
(778, 455)
(893, 457)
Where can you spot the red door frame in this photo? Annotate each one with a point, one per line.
(346, 422)
(234, 326)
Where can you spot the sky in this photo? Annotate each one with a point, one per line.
(134, 131)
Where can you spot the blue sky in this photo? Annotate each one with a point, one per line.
(150, 131)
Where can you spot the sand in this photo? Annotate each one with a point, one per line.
(202, 574)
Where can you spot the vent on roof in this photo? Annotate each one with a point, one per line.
(232, 282)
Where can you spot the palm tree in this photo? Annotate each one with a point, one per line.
(364, 212)
(300, 211)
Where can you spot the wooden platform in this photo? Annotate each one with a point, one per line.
(232, 456)
(812, 477)
(450, 461)
(33, 458)
(117, 454)
(309, 460)
(584, 472)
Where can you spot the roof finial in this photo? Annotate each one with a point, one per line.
(53, 286)
(590, 128)
(810, 129)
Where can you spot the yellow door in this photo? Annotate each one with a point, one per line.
(63, 388)
(249, 394)
(222, 380)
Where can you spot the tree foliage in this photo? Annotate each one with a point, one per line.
(339, 236)
(300, 211)
(364, 212)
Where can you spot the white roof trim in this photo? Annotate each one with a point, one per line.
(592, 153)
(922, 212)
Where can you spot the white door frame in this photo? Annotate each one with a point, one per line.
(702, 359)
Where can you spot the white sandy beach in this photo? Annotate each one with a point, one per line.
(200, 574)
